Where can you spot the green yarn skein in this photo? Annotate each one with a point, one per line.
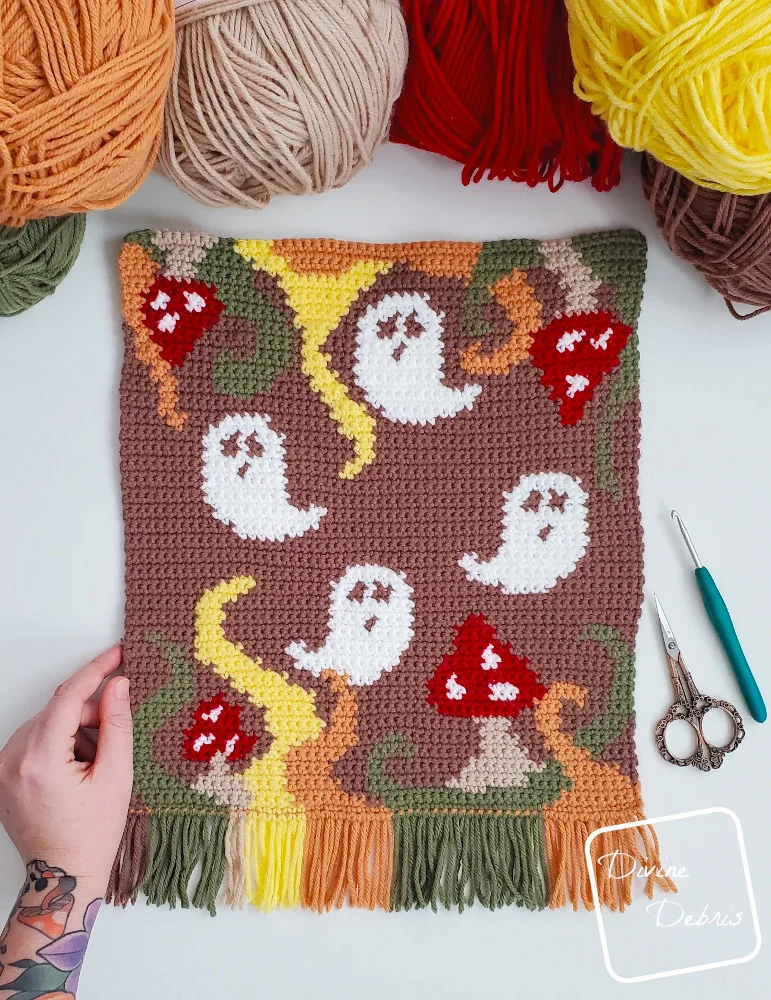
(35, 258)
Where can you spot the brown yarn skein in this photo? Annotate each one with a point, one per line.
(275, 97)
(727, 237)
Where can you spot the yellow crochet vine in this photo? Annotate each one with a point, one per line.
(320, 301)
(275, 826)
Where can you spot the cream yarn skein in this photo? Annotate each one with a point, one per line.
(275, 97)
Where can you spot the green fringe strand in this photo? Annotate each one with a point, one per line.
(457, 859)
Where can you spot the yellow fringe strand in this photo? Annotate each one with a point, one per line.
(274, 860)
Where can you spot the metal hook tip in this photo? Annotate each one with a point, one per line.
(688, 541)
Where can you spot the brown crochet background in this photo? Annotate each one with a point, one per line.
(432, 494)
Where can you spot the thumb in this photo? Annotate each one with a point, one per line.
(114, 749)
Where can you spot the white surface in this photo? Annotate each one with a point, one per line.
(706, 422)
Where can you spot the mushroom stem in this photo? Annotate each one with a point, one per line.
(502, 761)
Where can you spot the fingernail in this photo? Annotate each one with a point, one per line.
(122, 687)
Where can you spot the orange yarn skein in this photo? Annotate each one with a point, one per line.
(82, 86)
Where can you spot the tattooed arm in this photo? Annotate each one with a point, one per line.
(63, 801)
(44, 941)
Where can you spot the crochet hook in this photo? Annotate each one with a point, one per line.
(722, 624)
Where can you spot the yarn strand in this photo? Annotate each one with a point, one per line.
(489, 84)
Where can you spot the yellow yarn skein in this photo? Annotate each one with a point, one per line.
(687, 80)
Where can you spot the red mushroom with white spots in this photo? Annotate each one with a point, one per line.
(575, 353)
(177, 312)
(483, 679)
(217, 729)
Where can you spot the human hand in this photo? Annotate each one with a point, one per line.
(62, 797)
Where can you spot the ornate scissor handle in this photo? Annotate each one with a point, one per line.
(680, 711)
(705, 757)
(705, 705)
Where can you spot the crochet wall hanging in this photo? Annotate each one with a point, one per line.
(383, 569)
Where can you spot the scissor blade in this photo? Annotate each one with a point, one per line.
(670, 643)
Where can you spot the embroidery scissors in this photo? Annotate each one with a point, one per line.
(691, 706)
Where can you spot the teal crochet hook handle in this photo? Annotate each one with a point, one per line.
(721, 622)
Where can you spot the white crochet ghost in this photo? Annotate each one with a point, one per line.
(400, 365)
(244, 480)
(544, 536)
(370, 626)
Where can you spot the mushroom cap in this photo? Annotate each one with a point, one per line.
(575, 352)
(482, 677)
(216, 729)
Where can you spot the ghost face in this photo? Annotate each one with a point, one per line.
(244, 480)
(399, 362)
(370, 626)
(544, 536)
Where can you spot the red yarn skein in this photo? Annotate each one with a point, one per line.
(490, 84)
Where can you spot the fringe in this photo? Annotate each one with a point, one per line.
(372, 859)
(273, 860)
(212, 859)
(130, 864)
(260, 859)
(620, 859)
(235, 857)
(458, 858)
(159, 854)
(348, 858)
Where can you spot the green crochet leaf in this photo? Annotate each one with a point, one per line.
(618, 259)
(494, 262)
(619, 707)
(543, 787)
(274, 334)
(154, 785)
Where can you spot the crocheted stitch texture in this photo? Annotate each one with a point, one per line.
(383, 569)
